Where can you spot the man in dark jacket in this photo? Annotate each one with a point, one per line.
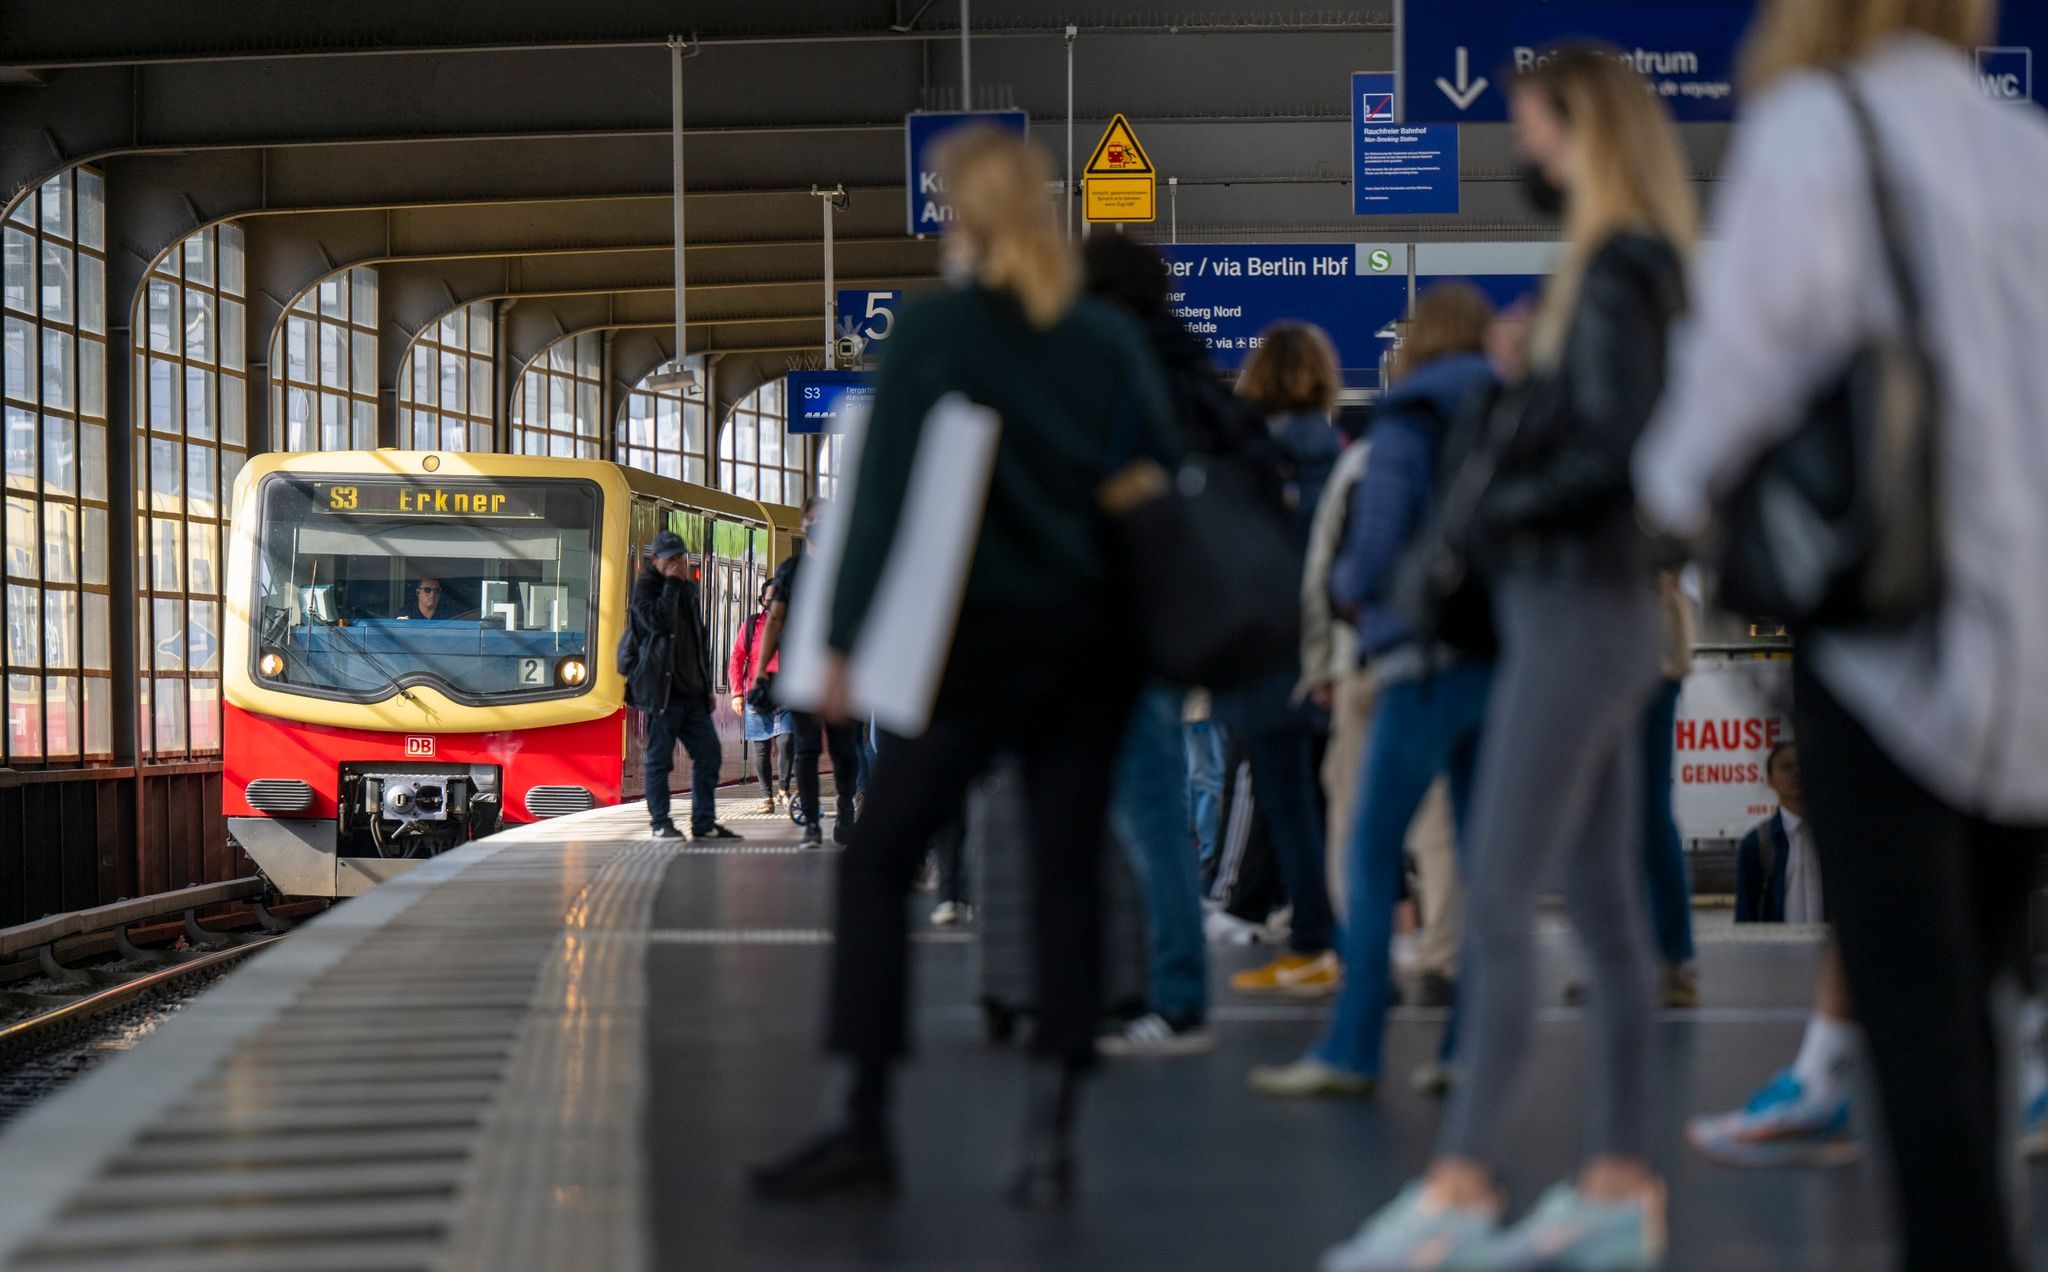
(667, 664)
(1765, 862)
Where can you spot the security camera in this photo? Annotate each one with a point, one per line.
(850, 348)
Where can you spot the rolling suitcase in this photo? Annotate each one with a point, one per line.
(1000, 872)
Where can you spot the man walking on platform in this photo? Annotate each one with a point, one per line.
(813, 735)
(666, 660)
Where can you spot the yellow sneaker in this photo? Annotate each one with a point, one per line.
(1295, 975)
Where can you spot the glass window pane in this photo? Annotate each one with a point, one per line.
(99, 717)
(20, 445)
(65, 735)
(57, 205)
(448, 330)
(364, 282)
(60, 629)
(363, 361)
(480, 394)
(296, 336)
(333, 422)
(419, 382)
(589, 353)
(56, 282)
(365, 414)
(92, 377)
(20, 354)
(199, 342)
(199, 409)
(25, 717)
(170, 715)
(298, 414)
(480, 328)
(205, 716)
(201, 481)
(58, 353)
(199, 257)
(205, 635)
(333, 351)
(454, 384)
(234, 411)
(93, 546)
(480, 437)
(92, 294)
(587, 410)
(166, 476)
(230, 468)
(166, 402)
(771, 443)
(233, 336)
(92, 209)
(334, 297)
(24, 625)
(95, 650)
(166, 554)
(92, 461)
(167, 625)
(60, 456)
(60, 542)
(231, 259)
(21, 538)
(18, 270)
(163, 311)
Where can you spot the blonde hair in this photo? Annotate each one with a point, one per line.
(997, 184)
(1794, 35)
(1629, 173)
(1293, 369)
(1450, 318)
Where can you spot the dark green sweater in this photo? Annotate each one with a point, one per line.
(1067, 397)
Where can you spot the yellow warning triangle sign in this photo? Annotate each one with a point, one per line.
(1118, 154)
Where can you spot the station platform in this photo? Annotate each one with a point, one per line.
(559, 1048)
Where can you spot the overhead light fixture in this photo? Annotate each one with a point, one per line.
(673, 376)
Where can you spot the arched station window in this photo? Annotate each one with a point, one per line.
(555, 406)
(662, 431)
(323, 367)
(446, 384)
(58, 678)
(192, 400)
(757, 458)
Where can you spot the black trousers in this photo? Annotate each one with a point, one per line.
(766, 752)
(813, 737)
(1930, 908)
(1066, 739)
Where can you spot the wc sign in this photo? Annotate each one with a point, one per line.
(2007, 74)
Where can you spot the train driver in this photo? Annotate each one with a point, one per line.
(426, 600)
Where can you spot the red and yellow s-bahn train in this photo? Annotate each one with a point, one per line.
(420, 647)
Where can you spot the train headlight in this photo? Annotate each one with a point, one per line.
(271, 664)
(572, 671)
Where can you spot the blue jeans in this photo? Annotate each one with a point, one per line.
(1145, 812)
(690, 724)
(1208, 747)
(1663, 853)
(1419, 729)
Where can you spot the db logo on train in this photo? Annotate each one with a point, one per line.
(419, 748)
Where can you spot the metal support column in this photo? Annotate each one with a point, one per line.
(966, 63)
(1173, 207)
(675, 70)
(1068, 183)
(828, 202)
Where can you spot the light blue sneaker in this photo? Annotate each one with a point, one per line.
(1567, 1231)
(1780, 1126)
(1410, 1235)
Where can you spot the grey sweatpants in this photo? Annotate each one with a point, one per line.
(1557, 802)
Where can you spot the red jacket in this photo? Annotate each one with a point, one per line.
(746, 648)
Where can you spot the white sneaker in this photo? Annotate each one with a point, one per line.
(1228, 929)
(1154, 1035)
(949, 913)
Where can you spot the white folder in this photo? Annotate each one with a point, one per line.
(899, 655)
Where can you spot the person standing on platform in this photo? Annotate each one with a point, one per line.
(1924, 744)
(1292, 380)
(1559, 788)
(1029, 672)
(813, 734)
(1664, 865)
(666, 660)
(767, 723)
(1431, 701)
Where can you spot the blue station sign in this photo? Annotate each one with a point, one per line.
(1457, 54)
(928, 210)
(871, 315)
(821, 401)
(1227, 294)
(1398, 169)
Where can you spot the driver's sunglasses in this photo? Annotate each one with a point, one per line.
(435, 590)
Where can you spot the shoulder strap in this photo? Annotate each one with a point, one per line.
(1890, 230)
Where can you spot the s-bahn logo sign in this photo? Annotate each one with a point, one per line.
(419, 748)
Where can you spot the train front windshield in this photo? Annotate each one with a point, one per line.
(482, 588)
